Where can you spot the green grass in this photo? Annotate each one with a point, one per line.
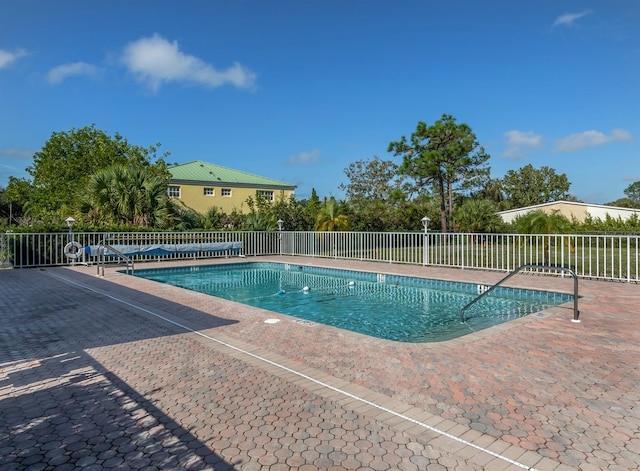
(612, 262)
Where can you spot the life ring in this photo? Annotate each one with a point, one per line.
(73, 250)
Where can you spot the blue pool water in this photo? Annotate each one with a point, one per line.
(392, 307)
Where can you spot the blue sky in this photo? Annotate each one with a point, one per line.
(297, 90)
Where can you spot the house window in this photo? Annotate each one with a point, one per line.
(208, 191)
(226, 192)
(173, 191)
(268, 195)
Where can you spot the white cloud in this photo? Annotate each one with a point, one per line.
(518, 142)
(7, 57)
(591, 138)
(569, 19)
(155, 61)
(60, 73)
(17, 153)
(304, 158)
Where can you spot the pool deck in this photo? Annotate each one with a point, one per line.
(125, 373)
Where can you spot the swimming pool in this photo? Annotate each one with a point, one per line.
(391, 307)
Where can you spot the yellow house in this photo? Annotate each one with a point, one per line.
(201, 186)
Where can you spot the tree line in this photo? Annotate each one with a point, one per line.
(440, 171)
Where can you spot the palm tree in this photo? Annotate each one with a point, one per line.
(330, 218)
(129, 195)
(492, 191)
(539, 222)
(259, 222)
(212, 218)
(477, 215)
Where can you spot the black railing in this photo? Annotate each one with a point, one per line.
(576, 312)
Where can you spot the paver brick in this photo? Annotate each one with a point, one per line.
(159, 397)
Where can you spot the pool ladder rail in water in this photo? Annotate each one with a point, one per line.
(485, 292)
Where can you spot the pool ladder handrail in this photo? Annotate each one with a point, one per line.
(576, 312)
(101, 257)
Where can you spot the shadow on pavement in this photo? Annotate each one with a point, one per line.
(61, 408)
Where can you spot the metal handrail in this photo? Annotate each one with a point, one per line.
(101, 257)
(576, 312)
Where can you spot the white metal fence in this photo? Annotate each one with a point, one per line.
(25, 250)
(603, 257)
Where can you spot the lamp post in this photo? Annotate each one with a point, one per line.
(70, 222)
(280, 223)
(425, 223)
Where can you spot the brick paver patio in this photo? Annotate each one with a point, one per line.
(124, 373)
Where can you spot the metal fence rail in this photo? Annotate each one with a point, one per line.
(26, 250)
(601, 257)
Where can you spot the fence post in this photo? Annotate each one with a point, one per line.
(628, 259)
(462, 238)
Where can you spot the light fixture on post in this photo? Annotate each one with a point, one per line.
(71, 250)
(70, 222)
(425, 223)
(280, 223)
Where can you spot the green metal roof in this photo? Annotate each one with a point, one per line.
(203, 172)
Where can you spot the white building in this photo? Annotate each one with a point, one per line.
(572, 210)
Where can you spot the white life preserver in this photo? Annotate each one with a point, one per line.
(73, 250)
